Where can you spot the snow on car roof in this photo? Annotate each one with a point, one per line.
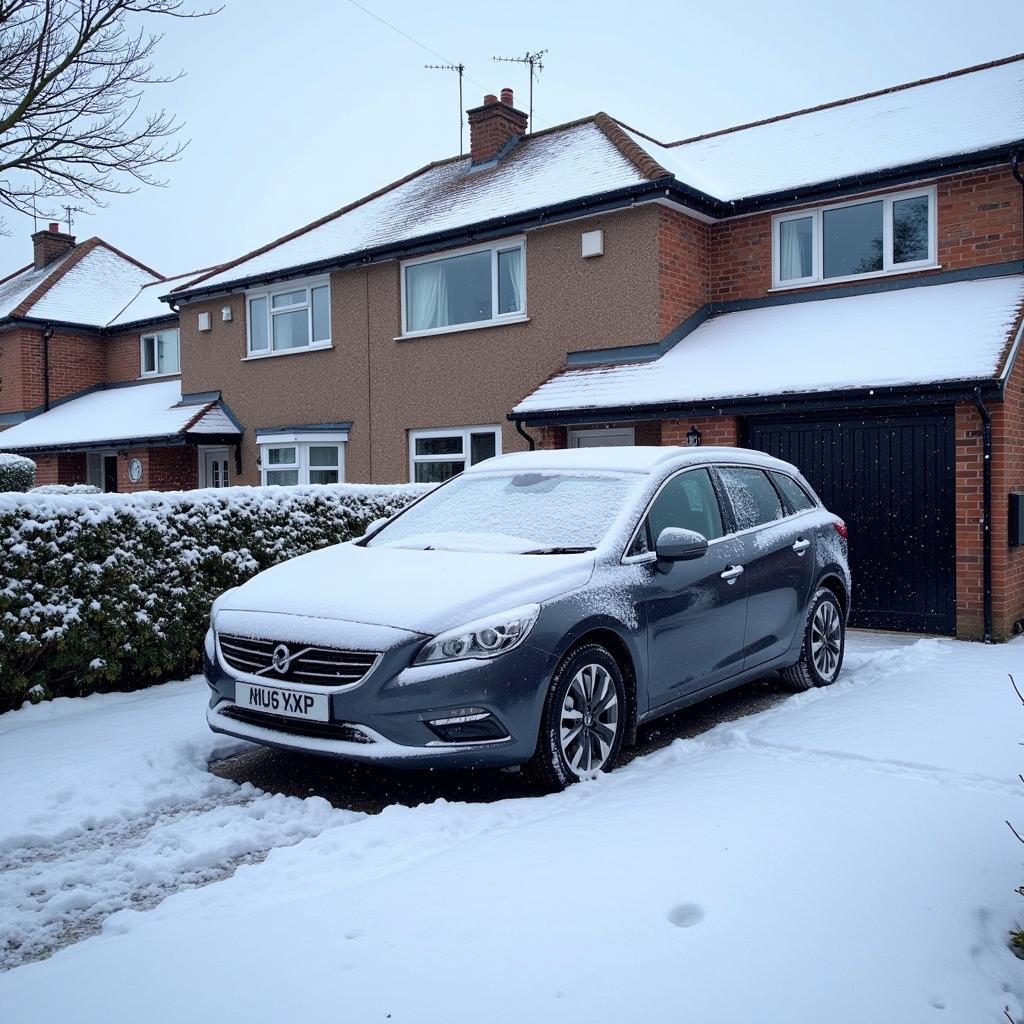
(965, 112)
(922, 335)
(113, 414)
(618, 458)
(553, 167)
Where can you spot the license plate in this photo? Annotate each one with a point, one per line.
(272, 700)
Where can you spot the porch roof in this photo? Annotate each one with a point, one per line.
(964, 331)
(151, 412)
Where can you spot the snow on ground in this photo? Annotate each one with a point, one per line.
(841, 856)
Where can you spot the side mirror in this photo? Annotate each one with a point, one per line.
(376, 525)
(677, 545)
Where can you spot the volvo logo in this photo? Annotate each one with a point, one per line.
(281, 658)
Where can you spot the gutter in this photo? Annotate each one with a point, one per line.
(986, 515)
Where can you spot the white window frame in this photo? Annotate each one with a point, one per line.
(463, 432)
(156, 371)
(307, 284)
(889, 268)
(504, 245)
(301, 441)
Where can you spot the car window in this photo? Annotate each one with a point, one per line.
(799, 500)
(754, 500)
(687, 501)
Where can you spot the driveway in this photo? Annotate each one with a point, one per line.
(838, 855)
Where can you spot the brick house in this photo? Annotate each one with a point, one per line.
(841, 286)
(90, 382)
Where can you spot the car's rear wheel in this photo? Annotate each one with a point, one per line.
(824, 644)
(584, 719)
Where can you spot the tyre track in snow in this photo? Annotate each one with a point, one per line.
(53, 895)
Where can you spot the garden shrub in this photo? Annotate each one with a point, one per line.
(113, 591)
(16, 472)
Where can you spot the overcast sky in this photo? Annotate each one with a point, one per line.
(294, 109)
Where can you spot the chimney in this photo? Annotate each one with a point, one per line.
(50, 245)
(493, 125)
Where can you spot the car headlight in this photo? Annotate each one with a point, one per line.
(483, 638)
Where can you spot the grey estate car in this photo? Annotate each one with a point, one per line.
(535, 610)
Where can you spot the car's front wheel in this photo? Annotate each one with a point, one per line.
(584, 719)
(824, 643)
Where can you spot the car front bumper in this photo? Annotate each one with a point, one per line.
(384, 720)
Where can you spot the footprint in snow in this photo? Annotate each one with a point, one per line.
(685, 915)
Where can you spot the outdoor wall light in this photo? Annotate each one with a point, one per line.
(693, 437)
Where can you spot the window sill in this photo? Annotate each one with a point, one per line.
(319, 347)
(158, 376)
(459, 328)
(854, 278)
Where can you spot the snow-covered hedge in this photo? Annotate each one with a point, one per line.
(66, 489)
(16, 472)
(113, 591)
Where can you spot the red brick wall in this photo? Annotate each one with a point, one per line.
(124, 358)
(683, 253)
(969, 532)
(979, 222)
(715, 430)
(552, 437)
(163, 469)
(65, 468)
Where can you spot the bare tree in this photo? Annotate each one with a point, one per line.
(72, 78)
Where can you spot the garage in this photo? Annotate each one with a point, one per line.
(891, 478)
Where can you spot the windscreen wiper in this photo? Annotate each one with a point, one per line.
(560, 550)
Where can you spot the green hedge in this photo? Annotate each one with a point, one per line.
(16, 472)
(113, 592)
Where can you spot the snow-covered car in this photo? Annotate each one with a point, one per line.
(534, 610)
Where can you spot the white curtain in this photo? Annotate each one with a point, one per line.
(426, 297)
(511, 286)
(795, 249)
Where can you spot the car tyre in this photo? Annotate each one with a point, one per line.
(584, 719)
(824, 644)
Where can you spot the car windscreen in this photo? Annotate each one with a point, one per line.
(513, 512)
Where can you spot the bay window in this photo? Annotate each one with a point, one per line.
(885, 235)
(289, 317)
(160, 353)
(438, 455)
(301, 457)
(470, 288)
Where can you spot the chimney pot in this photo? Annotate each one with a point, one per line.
(54, 226)
(493, 126)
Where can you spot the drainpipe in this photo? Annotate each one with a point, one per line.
(1018, 173)
(986, 513)
(529, 440)
(47, 335)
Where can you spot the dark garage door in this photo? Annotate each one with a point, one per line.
(892, 479)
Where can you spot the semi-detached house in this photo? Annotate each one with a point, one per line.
(841, 286)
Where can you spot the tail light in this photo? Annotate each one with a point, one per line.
(841, 529)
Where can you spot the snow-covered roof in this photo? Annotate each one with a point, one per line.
(964, 113)
(94, 290)
(548, 168)
(923, 335)
(114, 414)
(19, 285)
(145, 304)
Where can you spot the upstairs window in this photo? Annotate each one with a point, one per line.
(888, 235)
(472, 288)
(160, 354)
(289, 317)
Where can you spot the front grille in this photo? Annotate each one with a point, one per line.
(320, 730)
(317, 666)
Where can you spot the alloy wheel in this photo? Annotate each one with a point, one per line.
(826, 639)
(589, 721)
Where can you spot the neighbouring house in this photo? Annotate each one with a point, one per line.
(90, 376)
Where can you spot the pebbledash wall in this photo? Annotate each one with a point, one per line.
(386, 385)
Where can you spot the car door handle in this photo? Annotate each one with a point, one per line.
(801, 546)
(732, 574)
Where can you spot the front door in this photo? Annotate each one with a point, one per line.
(778, 562)
(696, 610)
(110, 473)
(215, 467)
